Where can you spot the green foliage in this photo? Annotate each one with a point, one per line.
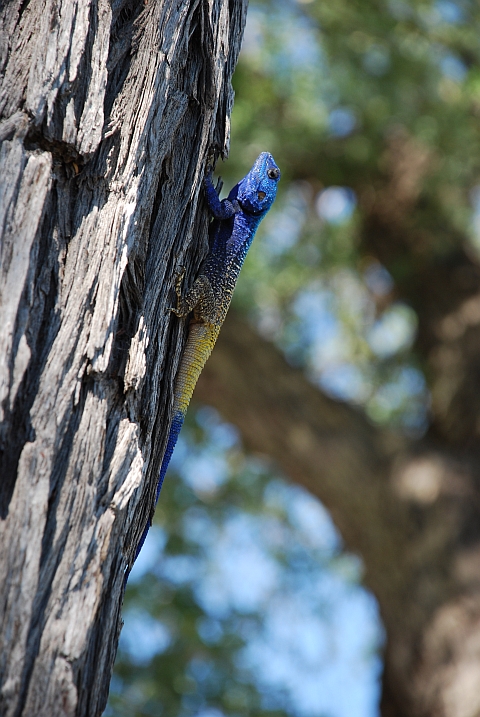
(389, 63)
(381, 98)
(386, 67)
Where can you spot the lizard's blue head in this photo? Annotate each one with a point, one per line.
(257, 191)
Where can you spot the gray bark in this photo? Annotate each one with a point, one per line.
(108, 111)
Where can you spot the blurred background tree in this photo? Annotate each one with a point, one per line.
(365, 277)
(242, 601)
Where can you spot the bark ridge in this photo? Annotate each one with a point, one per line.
(108, 110)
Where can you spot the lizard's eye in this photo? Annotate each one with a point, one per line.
(261, 196)
(273, 173)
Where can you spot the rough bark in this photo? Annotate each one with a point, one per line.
(108, 111)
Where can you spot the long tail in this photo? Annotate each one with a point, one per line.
(175, 429)
(201, 340)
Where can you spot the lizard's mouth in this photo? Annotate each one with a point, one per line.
(248, 210)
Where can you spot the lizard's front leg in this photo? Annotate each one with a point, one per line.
(220, 209)
(199, 298)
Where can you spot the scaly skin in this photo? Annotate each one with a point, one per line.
(236, 220)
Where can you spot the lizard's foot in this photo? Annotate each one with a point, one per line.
(181, 310)
(207, 177)
(210, 163)
(178, 281)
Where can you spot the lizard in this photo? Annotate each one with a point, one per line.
(235, 222)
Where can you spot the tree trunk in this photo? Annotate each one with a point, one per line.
(109, 110)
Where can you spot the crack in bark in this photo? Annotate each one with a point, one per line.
(92, 294)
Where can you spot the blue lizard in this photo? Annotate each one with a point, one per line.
(235, 222)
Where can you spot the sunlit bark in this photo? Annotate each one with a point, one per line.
(108, 112)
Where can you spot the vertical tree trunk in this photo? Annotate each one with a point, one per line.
(108, 112)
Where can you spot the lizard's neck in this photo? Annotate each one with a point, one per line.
(244, 229)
